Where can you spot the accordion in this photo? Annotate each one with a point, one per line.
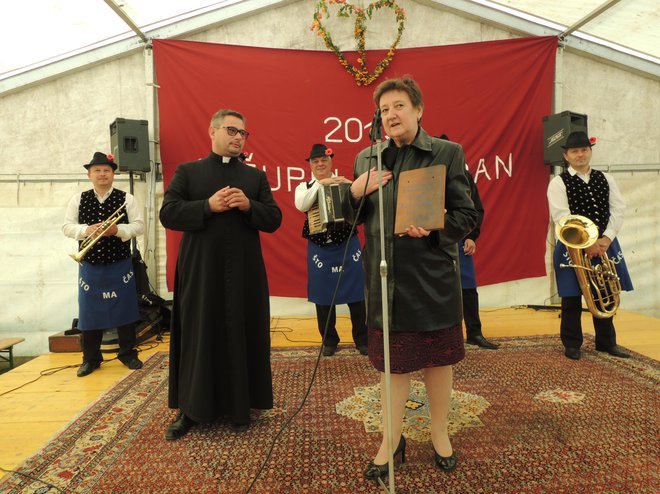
(327, 212)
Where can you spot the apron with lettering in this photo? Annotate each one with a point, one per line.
(107, 297)
(567, 283)
(323, 268)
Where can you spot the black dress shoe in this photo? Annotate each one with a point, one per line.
(179, 427)
(375, 472)
(134, 363)
(446, 463)
(329, 351)
(238, 428)
(615, 351)
(87, 368)
(572, 353)
(363, 349)
(482, 342)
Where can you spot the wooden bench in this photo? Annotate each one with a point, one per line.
(7, 347)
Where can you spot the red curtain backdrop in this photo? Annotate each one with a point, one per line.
(489, 96)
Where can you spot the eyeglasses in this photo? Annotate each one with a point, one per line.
(232, 131)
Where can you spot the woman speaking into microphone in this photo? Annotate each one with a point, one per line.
(423, 279)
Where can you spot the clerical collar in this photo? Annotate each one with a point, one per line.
(224, 159)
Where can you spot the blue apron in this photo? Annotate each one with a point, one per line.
(468, 276)
(323, 267)
(567, 284)
(107, 297)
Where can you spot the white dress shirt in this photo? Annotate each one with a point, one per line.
(125, 231)
(305, 198)
(558, 201)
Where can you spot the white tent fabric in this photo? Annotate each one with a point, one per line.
(632, 24)
(41, 33)
(57, 30)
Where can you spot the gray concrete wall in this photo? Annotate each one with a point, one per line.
(48, 131)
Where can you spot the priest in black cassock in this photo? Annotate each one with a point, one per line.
(220, 336)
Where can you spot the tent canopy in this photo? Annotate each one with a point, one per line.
(49, 38)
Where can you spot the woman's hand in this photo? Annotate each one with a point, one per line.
(370, 179)
(415, 232)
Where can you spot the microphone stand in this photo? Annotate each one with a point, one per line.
(376, 136)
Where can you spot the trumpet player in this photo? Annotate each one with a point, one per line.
(581, 190)
(104, 220)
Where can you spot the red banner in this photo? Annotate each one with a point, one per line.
(490, 97)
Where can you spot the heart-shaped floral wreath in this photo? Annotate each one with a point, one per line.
(361, 74)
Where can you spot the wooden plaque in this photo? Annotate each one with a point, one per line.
(420, 199)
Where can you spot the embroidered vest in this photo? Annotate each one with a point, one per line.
(91, 211)
(591, 200)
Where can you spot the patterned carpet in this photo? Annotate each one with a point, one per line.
(524, 419)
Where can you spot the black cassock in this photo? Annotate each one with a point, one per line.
(220, 333)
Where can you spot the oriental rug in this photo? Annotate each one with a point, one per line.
(524, 419)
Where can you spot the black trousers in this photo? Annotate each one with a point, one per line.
(358, 322)
(91, 344)
(571, 326)
(471, 312)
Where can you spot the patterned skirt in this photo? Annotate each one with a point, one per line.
(411, 351)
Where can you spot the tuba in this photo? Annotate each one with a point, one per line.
(599, 283)
(97, 234)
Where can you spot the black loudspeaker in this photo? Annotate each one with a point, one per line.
(129, 142)
(556, 129)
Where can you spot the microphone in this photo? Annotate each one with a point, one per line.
(376, 132)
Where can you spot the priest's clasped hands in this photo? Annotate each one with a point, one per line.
(228, 198)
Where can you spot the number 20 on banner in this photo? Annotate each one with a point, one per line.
(352, 130)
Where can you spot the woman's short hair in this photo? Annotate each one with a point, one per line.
(406, 84)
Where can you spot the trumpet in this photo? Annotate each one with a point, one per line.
(599, 283)
(97, 234)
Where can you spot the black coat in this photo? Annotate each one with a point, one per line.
(478, 205)
(423, 282)
(220, 337)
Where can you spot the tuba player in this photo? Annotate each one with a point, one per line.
(581, 190)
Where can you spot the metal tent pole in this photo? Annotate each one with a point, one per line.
(150, 177)
(557, 104)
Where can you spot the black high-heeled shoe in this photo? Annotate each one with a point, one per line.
(446, 463)
(374, 472)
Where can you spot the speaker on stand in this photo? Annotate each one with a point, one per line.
(129, 144)
(129, 141)
(556, 128)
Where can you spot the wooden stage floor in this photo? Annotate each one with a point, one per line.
(33, 412)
